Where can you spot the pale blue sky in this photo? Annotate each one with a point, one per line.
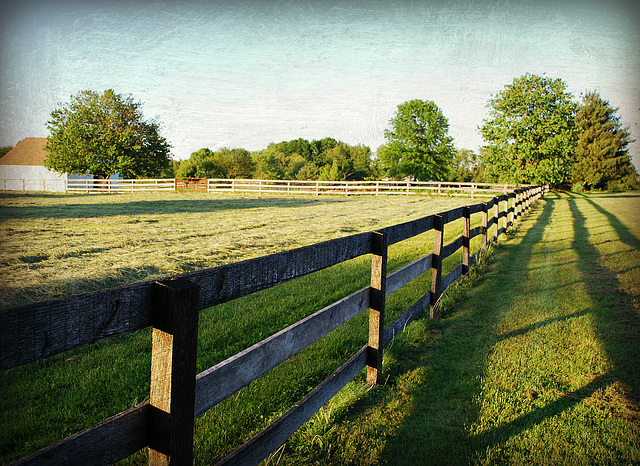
(247, 73)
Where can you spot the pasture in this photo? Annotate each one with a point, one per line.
(535, 359)
(56, 245)
(60, 244)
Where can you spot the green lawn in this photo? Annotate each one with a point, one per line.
(61, 244)
(535, 360)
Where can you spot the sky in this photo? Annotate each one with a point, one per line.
(246, 73)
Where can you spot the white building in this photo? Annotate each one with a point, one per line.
(22, 169)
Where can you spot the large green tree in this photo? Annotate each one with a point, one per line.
(103, 134)
(418, 144)
(602, 155)
(530, 132)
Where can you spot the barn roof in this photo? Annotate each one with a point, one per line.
(29, 151)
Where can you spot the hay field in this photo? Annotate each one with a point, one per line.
(55, 245)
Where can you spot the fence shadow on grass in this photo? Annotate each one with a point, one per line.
(432, 432)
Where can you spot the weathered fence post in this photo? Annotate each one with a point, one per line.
(379, 246)
(466, 215)
(511, 218)
(496, 218)
(436, 264)
(485, 223)
(506, 212)
(173, 372)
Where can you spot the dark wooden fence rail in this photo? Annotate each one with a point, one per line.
(164, 424)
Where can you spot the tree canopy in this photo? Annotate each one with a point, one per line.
(530, 132)
(465, 166)
(602, 155)
(418, 144)
(223, 163)
(298, 159)
(104, 134)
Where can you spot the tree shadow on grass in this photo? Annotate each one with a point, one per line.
(619, 323)
(625, 235)
(152, 207)
(618, 328)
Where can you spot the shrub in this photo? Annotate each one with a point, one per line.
(577, 188)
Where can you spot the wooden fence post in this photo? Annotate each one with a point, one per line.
(436, 264)
(496, 217)
(173, 372)
(466, 215)
(379, 246)
(485, 222)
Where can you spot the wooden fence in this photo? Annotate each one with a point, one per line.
(165, 423)
(21, 184)
(358, 187)
(120, 186)
(240, 186)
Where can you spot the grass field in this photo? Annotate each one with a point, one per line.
(535, 360)
(60, 244)
(55, 245)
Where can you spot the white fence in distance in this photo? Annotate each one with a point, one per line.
(287, 187)
(358, 187)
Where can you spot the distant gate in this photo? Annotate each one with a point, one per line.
(191, 184)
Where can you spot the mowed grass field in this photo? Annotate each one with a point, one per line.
(535, 360)
(61, 244)
(55, 245)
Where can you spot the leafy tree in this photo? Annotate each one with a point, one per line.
(363, 167)
(602, 155)
(530, 132)
(465, 166)
(268, 164)
(320, 146)
(223, 163)
(104, 134)
(418, 144)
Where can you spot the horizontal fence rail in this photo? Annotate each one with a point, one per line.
(171, 307)
(120, 186)
(251, 186)
(358, 187)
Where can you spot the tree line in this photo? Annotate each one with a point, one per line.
(299, 159)
(535, 133)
